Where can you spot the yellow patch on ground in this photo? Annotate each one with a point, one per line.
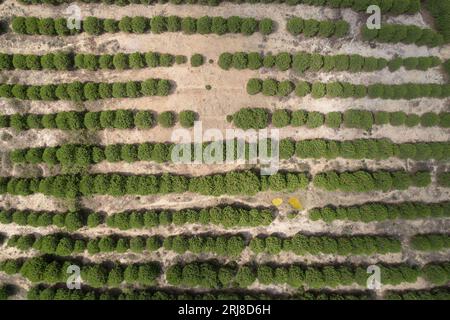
(277, 202)
(295, 203)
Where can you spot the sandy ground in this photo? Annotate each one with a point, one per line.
(226, 97)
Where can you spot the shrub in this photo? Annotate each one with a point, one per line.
(225, 60)
(318, 90)
(219, 25)
(295, 26)
(204, 25)
(333, 120)
(314, 120)
(196, 60)
(429, 119)
(281, 118)
(266, 26)
(251, 118)
(302, 89)
(166, 60)
(269, 87)
(158, 24)
(92, 25)
(139, 24)
(283, 61)
(143, 120)
(136, 60)
(326, 28)
(239, 60)
(188, 25)
(187, 118)
(285, 88)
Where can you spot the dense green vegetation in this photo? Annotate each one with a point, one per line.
(85, 155)
(392, 7)
(303, 61)
(428, 294)
(224, 216)
(259, 118)
(408, 91)
(66, 245)
(211, 275)
(86, 91)
(71, 221)
(231, 183)
(382, 211)
(73, 61)
(224, 245)
(320, 28)
(41, 292)
(407, 34)
(47, 269)
(337, 245)
(96, 120)
(430, 242)
(156, 24)
(365, 181)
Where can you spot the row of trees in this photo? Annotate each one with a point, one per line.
(430, 242)
(232, 183)
(41, 292)
(139, 25)
(259, 118)
(69, 220)
(408, 91)
(427, 294)
(210, 275)
(365, 181)
(440, 10)
(387, 6)
(370, 212)
(364, 149)
(51, 270)
(66, 245)
(320, 28)
(72, 61)
(225, 216)
(407, 34)
(108, 119)
(336, 245)
(314, 62)
(90, 91)
(85, 155)
(5, 291)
